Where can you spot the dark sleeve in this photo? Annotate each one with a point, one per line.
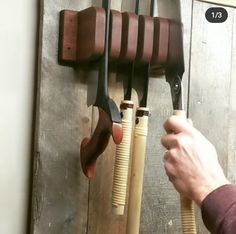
(219, 210)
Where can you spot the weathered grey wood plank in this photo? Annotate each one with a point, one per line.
(232, 111)
(211, 87)
(60, 193)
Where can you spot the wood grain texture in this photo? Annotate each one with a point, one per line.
(232, 110)
(129, 36)
(212, 86)
(145, 39)
(63, 199)
(161, 41)
(91, 34)
(68, 37)
(60, 190)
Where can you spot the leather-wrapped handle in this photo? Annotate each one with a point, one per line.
(121, 168)
(187, 207)
(137, 170)
(91, 148)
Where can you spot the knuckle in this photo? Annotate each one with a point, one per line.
(179, 141)
(183, 140)
(172, 156)
(169, 121)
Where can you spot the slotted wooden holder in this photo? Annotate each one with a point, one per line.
(81, 40)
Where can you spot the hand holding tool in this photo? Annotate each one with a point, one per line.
(109, 116)
(174, 73)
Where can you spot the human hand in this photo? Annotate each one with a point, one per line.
(191, 162)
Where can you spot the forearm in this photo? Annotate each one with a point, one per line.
(192, 165)
(219, 210)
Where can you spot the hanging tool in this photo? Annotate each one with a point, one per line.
(122, 159)
(109, 122)
(174, 73)
(141, 77)
(174, 70)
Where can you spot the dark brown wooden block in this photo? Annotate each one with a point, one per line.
(129, 37)
(160, 43)
(82, 35)
(68, 37)
(115, 35)
(145, 39)
(91, 34)
(175, 54)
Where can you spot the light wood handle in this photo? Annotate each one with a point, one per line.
(137, 171)
(122, 159)
(187, 208)
(187, 216)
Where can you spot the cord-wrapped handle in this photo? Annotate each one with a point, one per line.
(187, 216)
(122, 159)
(91, 148)
(137, 170)
(187, 207)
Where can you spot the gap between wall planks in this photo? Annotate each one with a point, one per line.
(212, 85)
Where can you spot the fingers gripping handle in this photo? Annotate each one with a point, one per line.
(90, 149)
(121, 168)
(137, 170)
(187, 208)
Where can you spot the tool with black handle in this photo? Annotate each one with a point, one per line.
(109, 123)
(174, 70)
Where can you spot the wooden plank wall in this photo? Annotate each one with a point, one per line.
(60, 191)
(212, 84)
(63, 199)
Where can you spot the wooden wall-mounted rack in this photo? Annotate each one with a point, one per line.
(82, 36)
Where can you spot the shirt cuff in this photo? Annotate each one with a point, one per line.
(216, 204)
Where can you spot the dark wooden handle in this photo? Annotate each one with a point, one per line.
(90, 149)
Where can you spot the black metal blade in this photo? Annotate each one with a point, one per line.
(175, 66)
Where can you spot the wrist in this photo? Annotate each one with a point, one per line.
(206, 189)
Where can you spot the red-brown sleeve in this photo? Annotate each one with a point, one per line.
(219, 210)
